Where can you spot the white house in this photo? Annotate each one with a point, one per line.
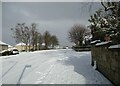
(20, 46)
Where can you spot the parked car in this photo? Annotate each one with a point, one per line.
(15, 51)
(6, 52)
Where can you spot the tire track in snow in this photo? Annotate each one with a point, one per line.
(44, 75)
(9, 69)
(42, 79)
(26, 66)
(35, 66)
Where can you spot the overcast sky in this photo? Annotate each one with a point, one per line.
(0, 20)
(56, 17)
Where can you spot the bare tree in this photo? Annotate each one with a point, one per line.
(40, 41)
(54, 41)
(30, 35)
(21, 33)
(77, 34)
(47, 39)
(33, 35)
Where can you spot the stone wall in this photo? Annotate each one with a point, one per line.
(82, 48)
(107, 61)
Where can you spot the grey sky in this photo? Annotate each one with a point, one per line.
(0, 20)
(56, 17)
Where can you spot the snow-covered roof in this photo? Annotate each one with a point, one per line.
(114, 46)
(102, 43)
(9, 46)
(20, 44)
(2, 43)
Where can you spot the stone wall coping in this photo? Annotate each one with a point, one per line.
(93, 42)
(103, 43)
(114, 46)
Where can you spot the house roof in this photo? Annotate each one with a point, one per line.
(10, 46)
(21, 44)
(2, 43)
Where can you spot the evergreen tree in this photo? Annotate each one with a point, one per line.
(107, 21)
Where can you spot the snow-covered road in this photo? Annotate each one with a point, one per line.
(62, 66)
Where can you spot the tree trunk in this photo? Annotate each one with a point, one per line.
(26, 47)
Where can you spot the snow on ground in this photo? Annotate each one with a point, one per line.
(62, 66)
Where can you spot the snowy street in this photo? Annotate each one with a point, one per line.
(62, 66)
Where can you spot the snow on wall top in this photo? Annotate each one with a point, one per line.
(95, 41)
(102, 43)
(2, 43)
(114, 46)
(20, 44)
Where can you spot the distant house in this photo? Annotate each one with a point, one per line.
(20, 46)
(3, 46)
